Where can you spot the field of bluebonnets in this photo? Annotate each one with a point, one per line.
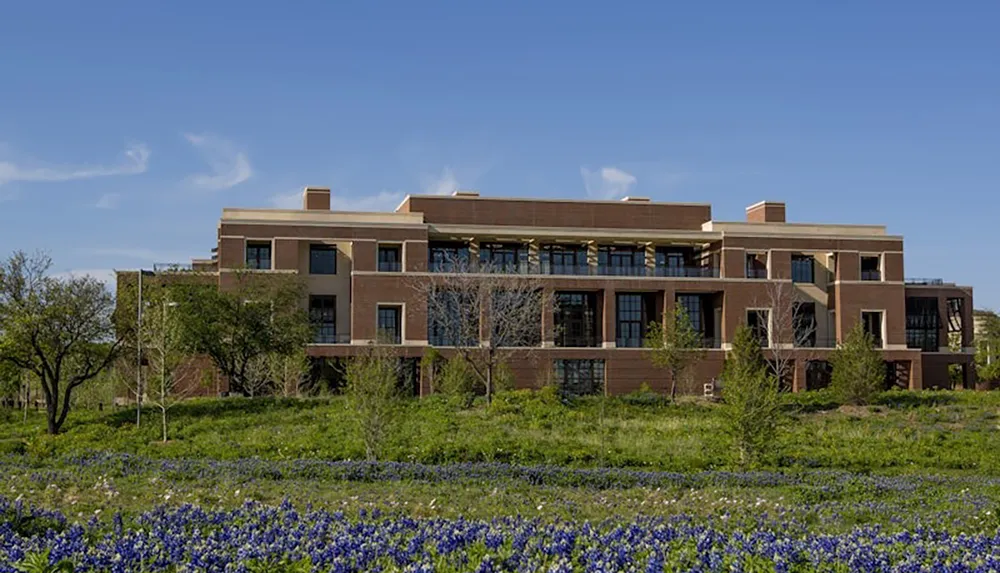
(911, 483)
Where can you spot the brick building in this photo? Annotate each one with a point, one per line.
(611, 266)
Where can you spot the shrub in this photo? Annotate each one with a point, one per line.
(457, 380)
(858, 369)
(752, 399)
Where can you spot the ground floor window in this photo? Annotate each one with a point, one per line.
(579, 377)
(818, 374)
(897, 374)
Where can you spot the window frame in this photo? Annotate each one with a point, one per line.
(322, 248)
(768, 314)
(316, 319)
(577, 255)
(879, 273)
(587, 321)
(258, 244)
(636, 322)
(393, 266)
(803, 258)
(611, 260)
(596, 383)
(398, 325)
(880, 342)
(923, 325)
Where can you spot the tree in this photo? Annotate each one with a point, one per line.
(60, 329)
(675, 345)
(170, 378)
(486, 313)
(289, 372)
(751, 399)
(373, 395)
(858, 369)
(259, 315)
(791, 329)
(988, 346)
(457, 380)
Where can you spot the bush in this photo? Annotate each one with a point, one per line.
(858, 369)
(457, 380)
(13, 447)
(752, 400)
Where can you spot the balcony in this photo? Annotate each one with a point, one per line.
(172, 267)
(390, 266)
(331, 338)
(756, 273)
(622, 271)
(871, 275)
(702, 272)
(925, 282)
(573, 270)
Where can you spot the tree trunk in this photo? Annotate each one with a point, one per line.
(163, 411)
(673, 385)
(489, 385)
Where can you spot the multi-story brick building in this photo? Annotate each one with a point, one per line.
(612, 266)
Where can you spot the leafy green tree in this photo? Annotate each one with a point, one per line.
(60, 329)
(751, 399)
(457, 380)
(373, 395)
(256, 316)
(858, 368)
(988, 346)
(676, 346)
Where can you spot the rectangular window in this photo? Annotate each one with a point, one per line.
(872, 322)
(452, 319)
(448, 257)
(818, 374)
(804, 324)
(390, 259)
(322, 259)
(756, 265)
(564, 260)
(259, 256)
(523, 327)
(634, 310)
(871, 268)
(390, 327)
(695, 308)
(575, 319)
(579, 377)
(758, 320)
(803, 269)
(504, 257)
(622, 261)
(323, 317)
(923, 323)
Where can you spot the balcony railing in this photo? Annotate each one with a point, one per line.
(755, 273)
(573, 270)
(331, 338)
(577, 342)
(390, 266)
(924, 281)
(633, 271)
(871, 275)
(703, 272)
(172, 267)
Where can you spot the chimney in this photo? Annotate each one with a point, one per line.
(316, 199)
(766, 212)
(631, 199)
(465, 193)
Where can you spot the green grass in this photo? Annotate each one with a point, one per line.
(903, 432)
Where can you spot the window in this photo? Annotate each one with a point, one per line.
(634, 311)
(694, 307)
(564, 260)
(523, 328)
(504, 257)
(259, 256)
(818, 374)
(897, 374)
(955, 318)
(758, 320)
(803, 269)
(923, 323)
(575, 319)
(390, 329)
(579, 377)
(453, 319)
(756, 265)
(804, 323)
(622, 261)
(390, 259)
(872, 322)
(323, 317)
(448, 257)
(871, 268)
(322, 259)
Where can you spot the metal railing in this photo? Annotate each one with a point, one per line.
(871, 275)
(572, 270)
(924, 281)
(633, 271)
(172, 267)
(331, 338)
(390, 266)
(754, 273)
(703, 272)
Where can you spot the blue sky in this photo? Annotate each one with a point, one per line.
(126, 126)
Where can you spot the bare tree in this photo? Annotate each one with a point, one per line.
(257, 380)
(373, 395)
(791, 328)
(170, 378)
(485, 312)
(289, 372)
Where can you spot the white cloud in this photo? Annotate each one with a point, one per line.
(134, 160)
(445, 184)
(344, 201)
(291, 200)
(108, 201)
(607, 182)
(230, 166)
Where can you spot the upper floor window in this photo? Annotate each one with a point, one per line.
(448, 257)
(871, 268)
(564, 260)
(923, 323)
(504, 257)
(634, 310)
(756, 265)
(803, 268)
(390, 259)
(575, 319)
(871, 320)
(804, 324)
(259, 255)
(390, 324)
(621, 261)
(322, 259)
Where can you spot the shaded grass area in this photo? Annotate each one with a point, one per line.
(902, 432)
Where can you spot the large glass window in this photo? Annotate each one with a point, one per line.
(633, 317)
(692, 304)
(323, 317)
(452, 319)
(803, 269)
(579, 377)
(564, 260)
(322, 259)
(575, 319)
(756, 265)
(804, 324)
(504, 257)
(448, 257)
(923, 323)
(758, 320)
(259, 256)
(523, 326)
(390, 327)
(621, 261)
(390, 259)
(872, 322)
(871, 268)
(818, 374)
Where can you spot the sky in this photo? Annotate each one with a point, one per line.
(125, 127)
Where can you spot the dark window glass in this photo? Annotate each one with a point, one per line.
(504, 257)
(322, 259)
(955, 308)
(804, 324)
(632, 319)
(452, 320)
(692, 304)
(389, 325)
(621, 261)
(575, 319)
(923, 323)
(564, 260)
(390, 259)
(757, 320)
(870, 269)
(802, 269)
(579, 377)
(872, 322)
(756, 266)
(259, 256)
(323, 316)
(818, 374)
(448, 257)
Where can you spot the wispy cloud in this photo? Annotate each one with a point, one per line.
(607, 182)
(229, 165)
(108, 201)
(134, 160)
(344, 201)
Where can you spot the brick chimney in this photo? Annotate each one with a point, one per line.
(316, 199)
(766, 212)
